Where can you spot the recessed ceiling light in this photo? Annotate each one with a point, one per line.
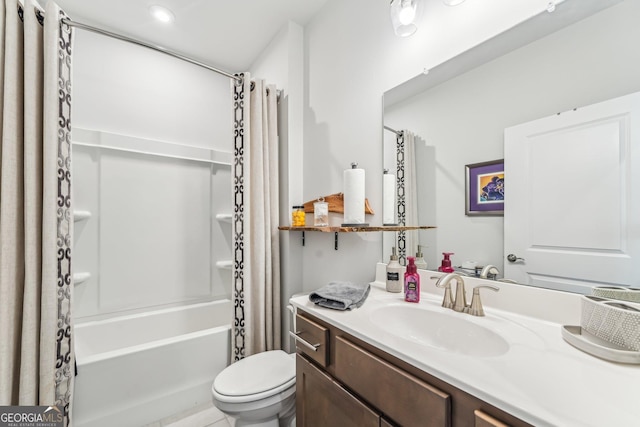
(161, 13)
(452, 2)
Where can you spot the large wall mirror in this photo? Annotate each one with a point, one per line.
(584, 53)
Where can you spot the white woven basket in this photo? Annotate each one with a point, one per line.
(617, 292)
(612, 321)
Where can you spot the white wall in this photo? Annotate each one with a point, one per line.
(464, 118)
(122, 88)
(351, 57)
(282, 64)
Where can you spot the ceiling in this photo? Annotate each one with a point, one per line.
(226, 34)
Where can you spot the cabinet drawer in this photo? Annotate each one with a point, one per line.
(312, 339)
(405, 399)
(485, 420)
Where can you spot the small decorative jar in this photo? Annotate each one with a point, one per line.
(297, 216)
(321, 213)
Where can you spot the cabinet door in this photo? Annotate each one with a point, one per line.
(320, 401)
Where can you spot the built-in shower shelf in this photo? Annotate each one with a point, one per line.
(79, 278)
(224, 217)
(81, 215)
(98, 140)
(224, 264)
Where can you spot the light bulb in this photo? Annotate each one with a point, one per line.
(407, 13)
(403, 13)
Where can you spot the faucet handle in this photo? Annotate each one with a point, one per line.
(476, 304)
(447, 302)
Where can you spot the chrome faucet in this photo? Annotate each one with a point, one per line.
(489, 269)
(460, 301)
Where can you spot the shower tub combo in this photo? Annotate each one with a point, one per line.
(139, 368)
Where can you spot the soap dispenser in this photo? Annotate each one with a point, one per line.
(445, 267)
(411, 282)
(420, 262)
(394, 270)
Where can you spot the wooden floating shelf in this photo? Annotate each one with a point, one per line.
(357, 229)
(337, 230)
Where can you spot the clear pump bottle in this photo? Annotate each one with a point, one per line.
(420, 262)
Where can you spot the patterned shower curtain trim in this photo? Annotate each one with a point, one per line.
(240, 89)
(406, 193)
(256, 268)
(57, 121)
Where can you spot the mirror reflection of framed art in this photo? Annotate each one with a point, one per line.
(484, 188)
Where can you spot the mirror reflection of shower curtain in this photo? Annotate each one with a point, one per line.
(36, 220)
(256, 326)
(407, 194)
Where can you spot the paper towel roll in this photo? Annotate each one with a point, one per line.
(388, 198)
(353, 195)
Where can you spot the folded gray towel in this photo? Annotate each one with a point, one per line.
(340, 295)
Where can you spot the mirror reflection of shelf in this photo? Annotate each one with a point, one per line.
(81, 215)
(358, 229)
(224, 217)
(79, 278)
(367, 229)
(227, 264)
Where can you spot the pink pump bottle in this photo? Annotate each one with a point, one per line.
(446, 263)
(411, 282)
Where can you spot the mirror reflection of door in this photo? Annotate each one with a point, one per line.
(463, 115)
(572, 211)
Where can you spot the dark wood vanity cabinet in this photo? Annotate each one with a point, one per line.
(343, 381)
(325, 402)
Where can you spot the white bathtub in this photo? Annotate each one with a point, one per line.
(136, 369)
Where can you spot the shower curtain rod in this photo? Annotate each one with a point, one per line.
(148, 45)
(393, 130)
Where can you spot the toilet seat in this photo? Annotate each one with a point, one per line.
(256, 377)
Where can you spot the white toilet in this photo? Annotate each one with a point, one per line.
(259, 390)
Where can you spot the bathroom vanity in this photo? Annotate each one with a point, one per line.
(395, 363)
(392, 391)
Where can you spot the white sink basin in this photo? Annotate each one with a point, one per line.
(444, 330)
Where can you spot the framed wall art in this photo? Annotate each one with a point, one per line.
(484, 188)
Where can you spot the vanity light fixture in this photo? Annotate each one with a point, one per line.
(403, 15)
(452, 2)
(161, 13)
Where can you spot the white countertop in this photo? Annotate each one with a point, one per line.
(541, 379)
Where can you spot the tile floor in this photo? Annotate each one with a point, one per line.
(201, 416)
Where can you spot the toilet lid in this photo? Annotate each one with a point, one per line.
(256, 374)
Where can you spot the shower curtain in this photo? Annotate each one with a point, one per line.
(36, 361)
(407, 194)
(256, 270)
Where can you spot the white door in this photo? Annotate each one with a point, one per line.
(572, 205)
